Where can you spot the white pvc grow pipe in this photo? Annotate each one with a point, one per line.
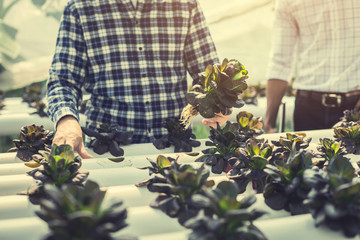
(182, 235)
(148, 150)
(295, 228)
(15, 206)
(8, 158)
(142, 221)
(13, 184)
(14, 122)
(10, 164)
(138, 161)
(298, 227)
(148, 223)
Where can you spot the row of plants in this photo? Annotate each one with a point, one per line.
(110, 138)
(229, 147)
(191, 180)
(295, 185)
(186, 193)
(33, 139)
(227, 143)
(70, 204)
(56, 173)
(229, 150)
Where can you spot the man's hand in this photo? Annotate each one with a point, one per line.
(68, 131)
(219, 117)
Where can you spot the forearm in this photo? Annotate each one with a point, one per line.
(275, 91)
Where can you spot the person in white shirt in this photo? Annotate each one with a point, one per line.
(325, 38)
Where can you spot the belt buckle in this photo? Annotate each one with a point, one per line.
(327, 96)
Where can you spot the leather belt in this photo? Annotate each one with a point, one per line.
(330, 99)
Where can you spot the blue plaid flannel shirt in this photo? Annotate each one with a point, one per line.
(132, 62)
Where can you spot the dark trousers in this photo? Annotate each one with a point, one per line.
(314, 110)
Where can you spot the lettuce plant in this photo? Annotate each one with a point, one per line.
(227, 218)
(224, 143)
(249, 164)
(2, 104)
(32, 139)
(157, 170)
(218, 91)
(58, 167)
(284, 146)
(40, 108)
(328, 149)
(77, 213)
(250, 95)
(108, 139)
(259, 89)
(180, 137)
(349, 116)
(32, 93)
(179, 183)
(250, 126)
(285, 187)
(334, 199)
(349, 136)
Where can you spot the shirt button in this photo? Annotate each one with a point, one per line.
(140, 48)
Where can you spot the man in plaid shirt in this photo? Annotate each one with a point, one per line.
(327, 36)
(132, 57)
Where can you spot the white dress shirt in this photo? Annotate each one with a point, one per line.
(327, 35)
